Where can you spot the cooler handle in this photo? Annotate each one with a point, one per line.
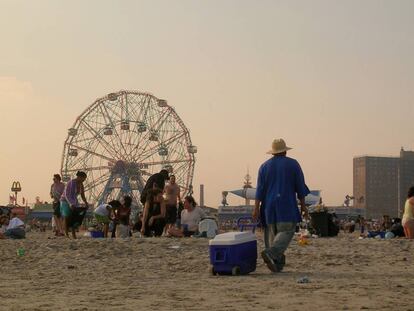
(252, 225)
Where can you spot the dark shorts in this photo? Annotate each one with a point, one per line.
(56, 209)
(16, 233)
(171, 214)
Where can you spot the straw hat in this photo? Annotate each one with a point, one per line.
(278, 146)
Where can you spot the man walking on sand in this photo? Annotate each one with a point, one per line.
(280, 182)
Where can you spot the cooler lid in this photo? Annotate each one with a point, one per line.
(233, 238)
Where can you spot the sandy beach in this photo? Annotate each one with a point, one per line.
(172, 274)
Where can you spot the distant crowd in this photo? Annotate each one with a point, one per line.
(164, 212)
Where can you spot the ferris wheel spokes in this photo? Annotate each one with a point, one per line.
(154, 150)
(111, 123)
(90, 169)
(96, 182)
(103, 142)
(92, 152)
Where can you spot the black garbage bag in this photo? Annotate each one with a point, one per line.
(76, 217)
(333, 228)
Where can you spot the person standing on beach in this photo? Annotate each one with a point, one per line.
(172, 191)
(280, 182)
(69, 204)
(56, 190)
(156, 181)
(408, 216)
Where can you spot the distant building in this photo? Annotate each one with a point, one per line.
(41, 211)
(381, 183)
(344, 213)
(228, 215)
(406, 176)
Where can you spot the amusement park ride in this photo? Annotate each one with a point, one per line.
(122, 139)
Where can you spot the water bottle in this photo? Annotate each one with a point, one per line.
(20, 252)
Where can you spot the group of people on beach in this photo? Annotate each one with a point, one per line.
(164, 212)
(67, 212)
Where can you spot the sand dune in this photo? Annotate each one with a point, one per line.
(172, 274)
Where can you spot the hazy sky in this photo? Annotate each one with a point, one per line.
(335, 79)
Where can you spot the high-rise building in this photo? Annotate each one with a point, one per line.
(406, 176)
(381, 183)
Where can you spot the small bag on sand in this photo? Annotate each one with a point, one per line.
(122, 231)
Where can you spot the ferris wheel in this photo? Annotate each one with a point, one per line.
(122, 139)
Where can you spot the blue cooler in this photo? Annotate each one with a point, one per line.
(97, 234)
(233, 253)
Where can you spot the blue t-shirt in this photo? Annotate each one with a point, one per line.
(280, 183)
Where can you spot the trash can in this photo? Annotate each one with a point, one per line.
(320, 223)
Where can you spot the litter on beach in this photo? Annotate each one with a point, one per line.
(175, 247)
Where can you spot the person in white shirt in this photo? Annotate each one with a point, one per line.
(103, 214)
(15, 228)
(190, 217)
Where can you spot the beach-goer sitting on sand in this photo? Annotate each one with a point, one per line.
(15, 228)
(123, 213)
(280, 183)
(397, 229)
(408, 217)
(3, 223)
(103, 214)
(190, 218)
(386, 223)
(153, 218)
(4, 220)
(362, 225)
(69, 205)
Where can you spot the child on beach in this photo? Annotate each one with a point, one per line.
(103, 214)
(122, 215)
